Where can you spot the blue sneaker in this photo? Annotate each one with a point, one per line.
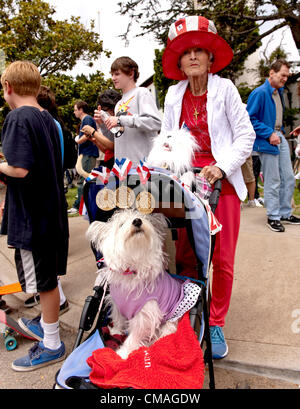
(39, 356)
(32, 327)
(218, 343)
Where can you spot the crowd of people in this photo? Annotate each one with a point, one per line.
(235, 143)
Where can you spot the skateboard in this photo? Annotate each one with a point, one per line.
(10, 289)
(8, 326)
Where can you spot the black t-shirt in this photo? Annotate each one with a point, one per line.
(35, 211)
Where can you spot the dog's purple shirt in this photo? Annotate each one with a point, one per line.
(167, 291)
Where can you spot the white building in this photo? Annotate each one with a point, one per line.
(150, 85)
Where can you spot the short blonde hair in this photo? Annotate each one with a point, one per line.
(23, 76)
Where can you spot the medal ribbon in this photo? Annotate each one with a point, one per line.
(143, 172)
(121, 168)
(102, 175)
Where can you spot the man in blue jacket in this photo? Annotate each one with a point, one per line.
(265, 106)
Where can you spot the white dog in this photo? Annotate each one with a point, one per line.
(174, 150)
(146, 302)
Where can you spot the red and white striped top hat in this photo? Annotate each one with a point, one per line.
(194, 31)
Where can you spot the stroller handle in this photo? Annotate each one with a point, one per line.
(214, 197)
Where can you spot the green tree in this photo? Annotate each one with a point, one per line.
(28, 31)
(68, 89)
(154, 17)
(161, 83)
(265, 63)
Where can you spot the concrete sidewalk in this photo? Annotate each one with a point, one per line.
(77, 284)
(263, 324)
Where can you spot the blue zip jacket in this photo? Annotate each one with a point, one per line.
(262, 111)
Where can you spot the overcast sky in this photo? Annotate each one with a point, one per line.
(111, 25)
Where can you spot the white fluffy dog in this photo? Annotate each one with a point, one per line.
(132, 245)
(174, 150)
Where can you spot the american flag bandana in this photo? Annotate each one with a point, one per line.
(121, 168)
(214, 225)
(143, 172)
(100, 263)
(82, 208)
(102, 175)
(203, 187)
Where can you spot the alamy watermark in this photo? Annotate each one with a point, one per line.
(295, 326)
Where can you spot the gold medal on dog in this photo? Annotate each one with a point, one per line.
(124, 197)
(106, 199)
(145, 202)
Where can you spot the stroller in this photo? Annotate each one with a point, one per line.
(183, 209)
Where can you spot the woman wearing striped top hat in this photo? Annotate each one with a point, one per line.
(210, 106)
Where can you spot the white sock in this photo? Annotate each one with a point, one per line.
(51, 338)
(62, 297)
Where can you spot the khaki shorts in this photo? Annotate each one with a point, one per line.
(247, 171)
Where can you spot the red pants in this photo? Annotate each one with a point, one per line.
(228, 214)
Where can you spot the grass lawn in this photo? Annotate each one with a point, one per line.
(70, 196)
(297, 199)
(296, 211)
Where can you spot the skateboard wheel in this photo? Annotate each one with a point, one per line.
(10, 343)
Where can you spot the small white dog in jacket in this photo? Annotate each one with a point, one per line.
(146, 302)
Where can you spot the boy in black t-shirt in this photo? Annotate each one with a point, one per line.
(35, 214)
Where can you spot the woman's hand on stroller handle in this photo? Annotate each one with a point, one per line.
(212, 173)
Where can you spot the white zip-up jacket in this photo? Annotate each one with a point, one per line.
(231, 132)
